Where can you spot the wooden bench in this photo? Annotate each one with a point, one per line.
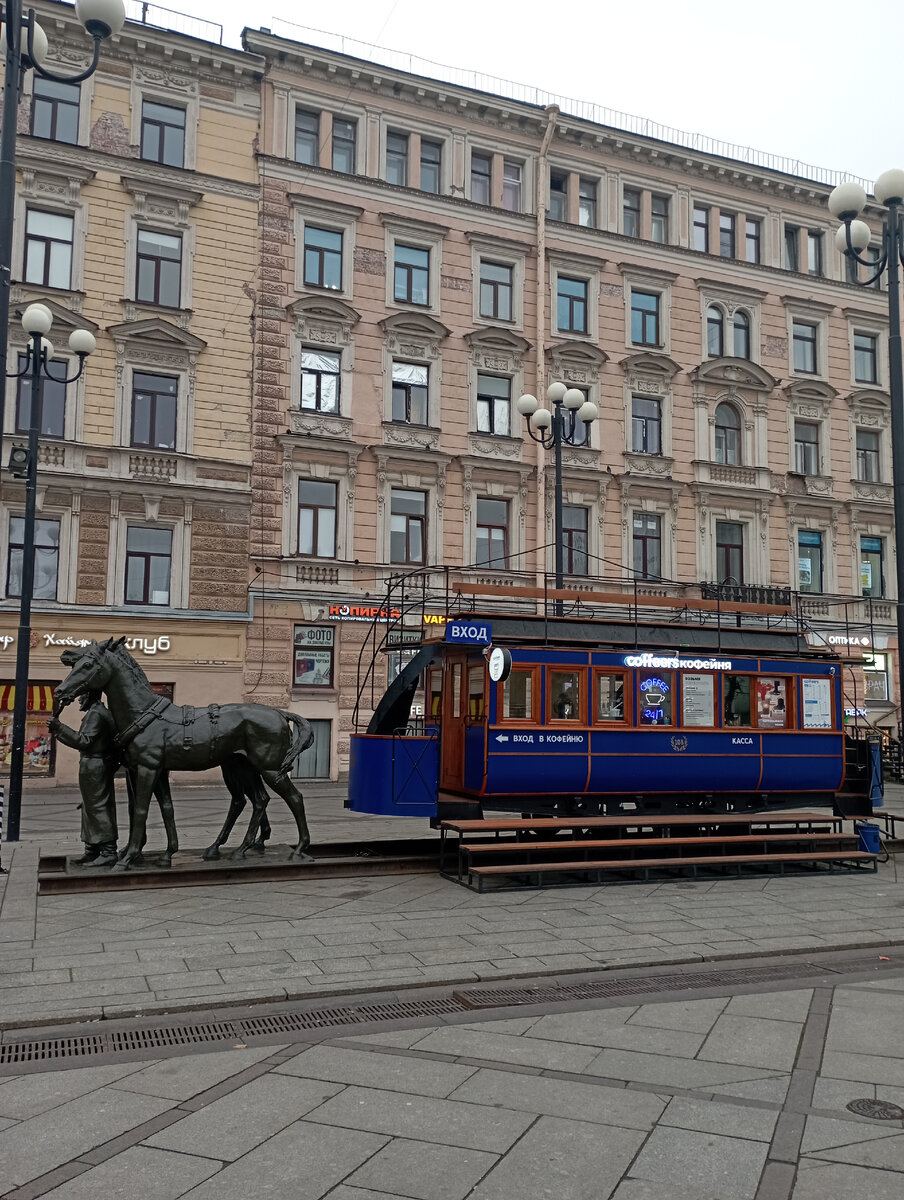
(855, 857)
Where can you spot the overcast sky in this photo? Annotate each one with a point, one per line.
(782, 76)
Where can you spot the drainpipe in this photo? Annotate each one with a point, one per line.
(542, 191)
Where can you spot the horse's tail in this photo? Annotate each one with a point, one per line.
(303, 737)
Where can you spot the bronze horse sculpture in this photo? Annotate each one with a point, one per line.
(156, 736)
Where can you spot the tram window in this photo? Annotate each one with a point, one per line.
(476, 677)
(771, 703)
(610, 697)
(518, 696)
(565, 695)
(655, 699)
(736, 694)
(435, 695)
(456, 690)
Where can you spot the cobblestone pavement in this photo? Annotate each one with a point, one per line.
(741, 1096)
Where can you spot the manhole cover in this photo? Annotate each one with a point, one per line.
(879, 1110)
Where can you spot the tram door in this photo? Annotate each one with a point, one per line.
(452, 772)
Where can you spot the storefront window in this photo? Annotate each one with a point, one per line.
(475, 692)
(875, 676)
(736, 693)
(314, 656)
(771, 703)
(517, 696)
(610, 697)
(39, 745)
(655, 699)
(564, 695)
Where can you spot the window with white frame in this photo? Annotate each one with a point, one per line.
(407, 526)
(494, 405)
(868, 455)
(321, 373)
(48, 248)
(587, 202)
(646, 425)
(345, 143)
(397, 158)
(148, 565)
(317, 517)
(410, 391)
(875, 676)
(806, 447)
(512, 185)
(727, 439)
(481, 191)
(307, 137)
(659, 219)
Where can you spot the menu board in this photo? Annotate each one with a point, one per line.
(697, 694)
(771, 706)
(817, 697)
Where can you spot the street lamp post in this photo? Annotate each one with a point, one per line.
(847, 202)
(552, 430)
(23, 45)
(23, 463)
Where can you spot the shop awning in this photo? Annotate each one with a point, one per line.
(40, 697)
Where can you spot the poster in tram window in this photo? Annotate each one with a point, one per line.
(817, 697)
(697, 696)
(771, 704)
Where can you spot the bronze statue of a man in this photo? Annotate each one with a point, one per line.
(95, 742)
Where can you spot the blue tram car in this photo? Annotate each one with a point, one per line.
(555, 716)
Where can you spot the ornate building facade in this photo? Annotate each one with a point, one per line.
(429, 253)
(137, 199)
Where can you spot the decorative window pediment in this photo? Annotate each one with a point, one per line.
(323, 319)
(870, 409)
(155, 333)
(65, 321)
(576, 362)
(649, 372)
(413, 334)
(497, 349)
(169, 202)
(810, 390)
(730, 373)
(55, 182)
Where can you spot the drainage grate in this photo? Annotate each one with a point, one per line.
(179, 1035)
(26, 1052)
(879, 1110)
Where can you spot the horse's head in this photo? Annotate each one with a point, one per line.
(90, 670)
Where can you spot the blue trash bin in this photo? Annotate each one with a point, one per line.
(868, 837)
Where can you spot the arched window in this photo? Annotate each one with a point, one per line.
(741, 334)
(715, 332)
(728, 435)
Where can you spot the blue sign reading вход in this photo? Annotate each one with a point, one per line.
(469, 633)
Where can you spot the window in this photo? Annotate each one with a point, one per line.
(481, 178)
(727, 445)
(397, 158)
(581, 433)
(868, 456)
(865, 370)
(729, 551)
(159, 273)
(814, 253)
(631, 212)
(317, 503)
(154, 399)
(320, 380)
(752, 241)
(307, 137)
(809, 561)
(715, 332)
(54, 110)
(574, 539)
(741, 330)
(409, 393)
(163, 134)
(51, 420)
(431, 165)
(476, 687)
(587, 203)
(875, 677)
(48, 248)
(792, 248)
(313, 656)
(610, 697)
(736, 700)
(701, 229)
(46, 559)
(517, 696)
(494, 405)
(344, 145)
(872, 567)
(496, 287)
(726, 235)
(149, 560)
(571, 305)
(806, 448)
(407, 526)
(644, 318)
(646, 425)
(659, 217)
(854, 272)
(511, 185)
(804, 337)
(655, 697)
(314, 763)
(412, 275)
(647, 546)
(565, 695)
(492, 533)
(322, 258)
(558, 196)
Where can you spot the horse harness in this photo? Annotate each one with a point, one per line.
(189, 716)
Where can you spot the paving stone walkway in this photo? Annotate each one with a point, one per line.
(734, 1097)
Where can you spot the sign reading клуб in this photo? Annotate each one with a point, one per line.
(158, 644)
